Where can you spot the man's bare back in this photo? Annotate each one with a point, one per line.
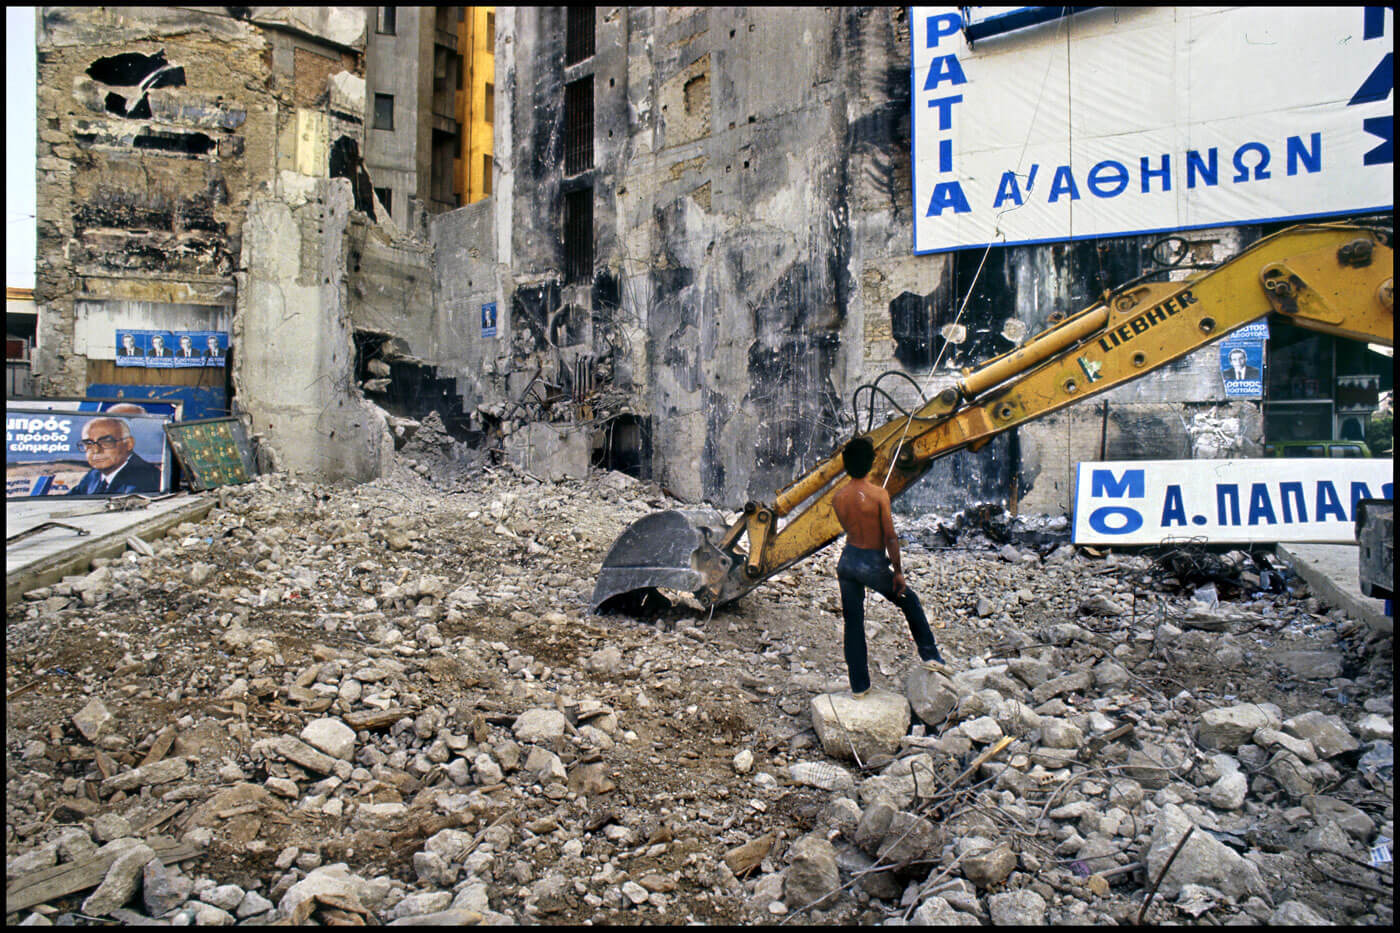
(864, 512)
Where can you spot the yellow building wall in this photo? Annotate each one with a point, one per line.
(476, 40)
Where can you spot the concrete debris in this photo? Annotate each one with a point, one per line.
(387, 704)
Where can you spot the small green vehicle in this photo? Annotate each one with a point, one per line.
(1331, 449)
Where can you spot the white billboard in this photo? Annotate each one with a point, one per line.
(1225, 501)
(1122, 120)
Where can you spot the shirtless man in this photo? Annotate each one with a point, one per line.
(863, 509)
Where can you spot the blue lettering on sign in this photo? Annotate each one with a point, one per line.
(947, 194)
(1378, 84)
(1224, 491)
(1377, 87)
(944, 68)
(1292, 491)
(1261, 168)
(1108, 179)
(1063, 183)
(941, 26)
(1173, 509)
(1133, 484)
(1310, 157)
(944, 106)
(1132, 520)
(1359, 491)
(1164, 173)
(1328, 503)
(1384, 127)
(1008, 190)
(1209, 171)
(1259, 505)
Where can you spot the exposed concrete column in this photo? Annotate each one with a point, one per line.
(294, 372)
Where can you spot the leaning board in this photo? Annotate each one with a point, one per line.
(213, 452)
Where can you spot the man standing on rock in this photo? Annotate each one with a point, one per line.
(864, 512)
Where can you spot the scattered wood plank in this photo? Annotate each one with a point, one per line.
(47, 884)
(376, 718)
(168, 813)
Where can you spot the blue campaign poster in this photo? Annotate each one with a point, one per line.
(163, 349)
(488, 320)
(1242, 361)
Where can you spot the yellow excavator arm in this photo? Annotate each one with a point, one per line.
(1333, 278)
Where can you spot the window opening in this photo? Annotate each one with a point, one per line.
(486, 175)
(383, 111)
(489, 108)
(578, 126)
(578, 34)
(388, 21)
(386, 197)
(578, 235)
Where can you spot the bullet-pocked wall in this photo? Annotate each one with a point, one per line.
(718, 202)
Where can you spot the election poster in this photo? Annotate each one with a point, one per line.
(488, 319)
(1242, 361)
(163, 349)
(71, 453)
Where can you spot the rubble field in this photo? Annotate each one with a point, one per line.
(388, 703)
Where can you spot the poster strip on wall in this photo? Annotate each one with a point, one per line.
(163, 349)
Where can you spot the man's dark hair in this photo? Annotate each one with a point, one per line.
(858, 457)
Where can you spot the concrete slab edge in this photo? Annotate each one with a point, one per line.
(79, 559)
(1370, 611)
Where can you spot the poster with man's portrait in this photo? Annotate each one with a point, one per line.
(1242, 361)
(71, 453)
(163, 349)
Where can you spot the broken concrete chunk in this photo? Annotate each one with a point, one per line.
(92, 719)
(863, 728)
(1203, 860)
(1328, 734)
(298, 752)
(812, 875)
(1228, 727)
(331, 736)
(539, 725)
(157, 772)
(120, 882)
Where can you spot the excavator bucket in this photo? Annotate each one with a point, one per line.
(670, 549)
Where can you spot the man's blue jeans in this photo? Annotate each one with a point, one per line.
(858, 569)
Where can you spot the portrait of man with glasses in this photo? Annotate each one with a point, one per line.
(116, 467)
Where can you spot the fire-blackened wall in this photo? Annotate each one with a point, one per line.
(749, 191)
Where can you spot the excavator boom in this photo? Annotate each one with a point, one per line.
(1333, 278)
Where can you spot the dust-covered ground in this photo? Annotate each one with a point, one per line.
(388, 701)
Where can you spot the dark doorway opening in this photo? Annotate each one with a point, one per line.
(626, 446)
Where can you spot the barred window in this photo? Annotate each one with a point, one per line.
(578, 235)
(578, 126)
(578, 34)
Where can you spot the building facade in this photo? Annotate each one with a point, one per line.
(429, 107)
(685, 239)
(709, 212)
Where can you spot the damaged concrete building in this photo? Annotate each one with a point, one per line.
(697, 245)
